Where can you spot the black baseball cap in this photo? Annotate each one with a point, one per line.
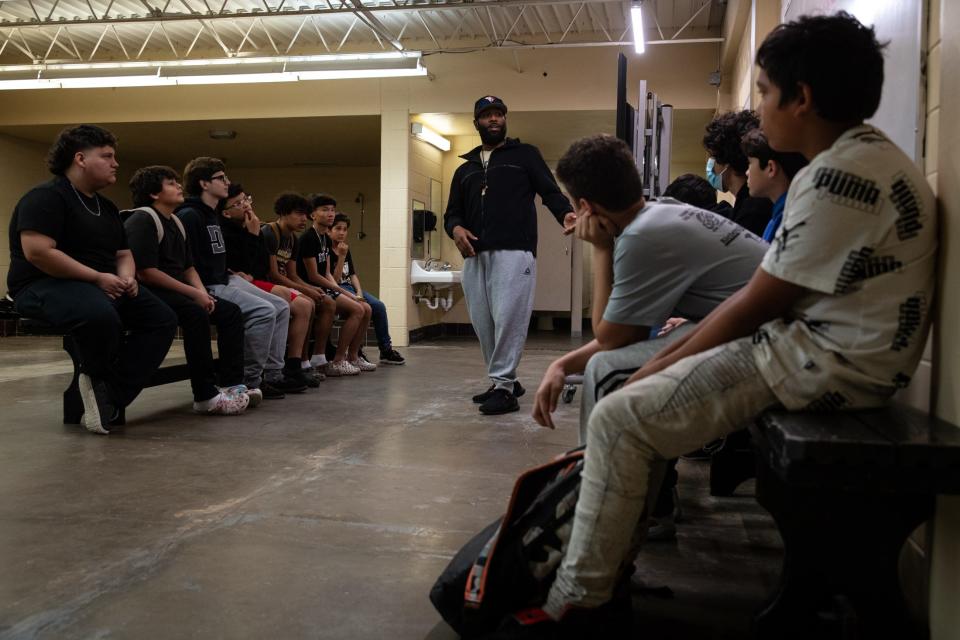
(487, 102)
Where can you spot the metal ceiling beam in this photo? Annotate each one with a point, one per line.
(570, 45)
(211, 15)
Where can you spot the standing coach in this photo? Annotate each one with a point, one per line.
(492, 219)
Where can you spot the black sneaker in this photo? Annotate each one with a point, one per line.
(480, 398)
(271, 392)
(299, 375)
(390, 356)
(99, 410)
(289, 384)
(500, 401)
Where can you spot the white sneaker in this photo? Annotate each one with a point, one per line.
(93, 406)
(340, 368)
(255, 396)
(223, 405)
(363, 365)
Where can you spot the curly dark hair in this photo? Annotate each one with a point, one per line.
(290, 202)
(198, 169)
(341, 217)
(321, 200)
(601, 169)
(839, 58)
(723, 136)
(148, 181)
(74, 139)
(755, 145)
(692, 189)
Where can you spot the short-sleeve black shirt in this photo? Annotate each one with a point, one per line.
(314, 246)
(285, 248)
(171, 255)
(348, 268)
(88, 230)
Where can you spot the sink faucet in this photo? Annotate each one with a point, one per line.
(430, 264)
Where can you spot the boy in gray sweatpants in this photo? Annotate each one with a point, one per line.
(492, 218)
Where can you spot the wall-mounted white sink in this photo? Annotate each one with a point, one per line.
(439, 279)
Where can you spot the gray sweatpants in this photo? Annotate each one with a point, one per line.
(499, 287)
(607, 371)
(266, 320)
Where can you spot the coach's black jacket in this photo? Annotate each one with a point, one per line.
(496, 204)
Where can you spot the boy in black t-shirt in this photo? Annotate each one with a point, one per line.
(314, 266)
(70, 266)
(159, 245)
(280, 238)
(345, 273)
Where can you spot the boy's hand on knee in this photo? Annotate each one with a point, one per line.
(548, 393)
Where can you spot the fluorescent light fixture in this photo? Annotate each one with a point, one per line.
(428, 135)
(636, 18)
(213, 71)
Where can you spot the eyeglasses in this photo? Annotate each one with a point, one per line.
(224, 178)
(242, 201)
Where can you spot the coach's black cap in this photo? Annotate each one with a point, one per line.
(488, 102)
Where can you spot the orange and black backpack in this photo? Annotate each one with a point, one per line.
(511, 564)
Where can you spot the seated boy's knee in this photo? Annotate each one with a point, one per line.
(105, 319)
(604, 422)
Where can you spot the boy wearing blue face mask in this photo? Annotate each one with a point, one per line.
(727, 169)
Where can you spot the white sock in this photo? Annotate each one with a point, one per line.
(318, 361)
(306, 364)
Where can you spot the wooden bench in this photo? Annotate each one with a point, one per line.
(846, 490)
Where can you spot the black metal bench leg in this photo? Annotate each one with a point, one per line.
(732, 465)
(72, 404)
(839, 576)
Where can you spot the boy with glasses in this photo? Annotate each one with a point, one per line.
(248, 257)
(266, 316)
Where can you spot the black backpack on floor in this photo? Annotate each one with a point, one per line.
(511, 564)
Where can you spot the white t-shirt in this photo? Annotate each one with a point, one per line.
(859, 233)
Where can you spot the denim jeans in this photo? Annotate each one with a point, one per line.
(379, 318)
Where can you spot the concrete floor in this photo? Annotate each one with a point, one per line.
(326, 515)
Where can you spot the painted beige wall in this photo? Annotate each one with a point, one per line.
(943, 168)
(758, 18)
(21, 167)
